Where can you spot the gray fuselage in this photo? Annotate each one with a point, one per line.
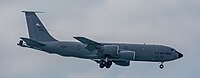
(143, 52)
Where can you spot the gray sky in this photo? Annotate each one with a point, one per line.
(175, 23)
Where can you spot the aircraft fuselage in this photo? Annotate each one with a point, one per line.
(143, 52)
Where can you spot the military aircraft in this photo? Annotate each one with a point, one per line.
(105, 54)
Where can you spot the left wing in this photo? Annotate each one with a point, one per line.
(91, 45)
(86, 41)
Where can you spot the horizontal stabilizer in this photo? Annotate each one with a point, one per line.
(32, 43)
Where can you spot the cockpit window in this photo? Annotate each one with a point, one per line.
(172, 49)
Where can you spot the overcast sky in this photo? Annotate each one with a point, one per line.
(175, 23)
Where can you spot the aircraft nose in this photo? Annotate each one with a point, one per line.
(179, 55)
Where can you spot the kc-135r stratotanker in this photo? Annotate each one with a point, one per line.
(102, 53)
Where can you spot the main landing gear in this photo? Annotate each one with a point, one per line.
(106, 64)
(161, 65)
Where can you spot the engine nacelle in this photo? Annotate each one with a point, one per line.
(128, 55)
(112, 50)
(122, 63)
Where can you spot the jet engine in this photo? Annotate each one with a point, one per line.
(122, 63)
(127, 55)
(111, 50)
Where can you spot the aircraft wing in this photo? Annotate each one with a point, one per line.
(86, 41)
(91, 45)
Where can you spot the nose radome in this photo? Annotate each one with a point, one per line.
(180, 55)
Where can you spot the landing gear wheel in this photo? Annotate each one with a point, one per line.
(105, 64)
(101, 65)
(161, 66)
(108, 64)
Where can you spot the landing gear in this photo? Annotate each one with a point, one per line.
(102, 64)
(161, 65)
(108, 64)
(105, 64)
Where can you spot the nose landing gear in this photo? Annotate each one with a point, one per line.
(161, 65)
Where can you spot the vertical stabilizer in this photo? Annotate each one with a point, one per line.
(36, 29)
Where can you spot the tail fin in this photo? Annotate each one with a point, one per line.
(36, 29)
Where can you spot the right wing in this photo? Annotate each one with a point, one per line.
(86, 41)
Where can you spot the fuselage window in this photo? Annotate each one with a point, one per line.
(163, 53)
(172, 49)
